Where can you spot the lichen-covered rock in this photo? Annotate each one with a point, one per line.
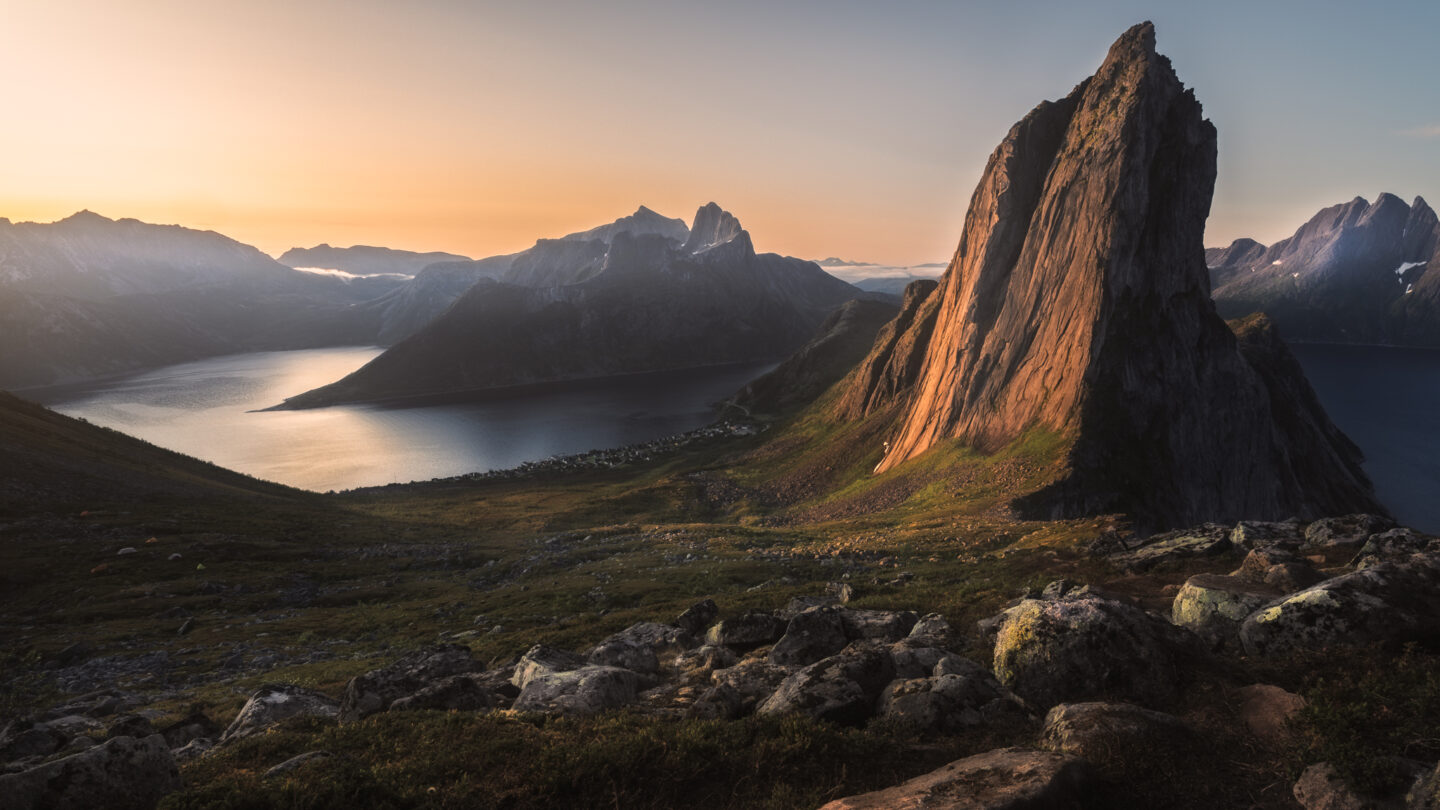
(1208, 540)
(697, 617)
(753, 680)
(122, 774)
(275, 702)
(811, 635)
(719, 702)
(1092, 730)
(1389, 545)
(1252, 534)
(1213, 606)
(1394, 601)
(946, 703)
(587, 690)
(747, 631)
(878, 625)
(934, 630)
(1083, 647)
(376, 690)
(1004, 779)
(843, 688)
(1347, 530)
(457, 692)
(644, 647)
(542, 659)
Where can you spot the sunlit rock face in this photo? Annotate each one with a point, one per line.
(1078, 303)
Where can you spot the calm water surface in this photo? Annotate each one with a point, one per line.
(206, 409)
(1388, 401)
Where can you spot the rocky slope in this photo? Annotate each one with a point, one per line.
(841, 342)
(1357, 272)
(651, 304)
(1078, 303)
(364, 260)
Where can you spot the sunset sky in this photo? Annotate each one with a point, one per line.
(830, 128)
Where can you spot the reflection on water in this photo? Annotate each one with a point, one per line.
(206, 409)
(1388, 401)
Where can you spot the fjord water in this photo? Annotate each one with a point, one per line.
(208, 409)
(1388, 401)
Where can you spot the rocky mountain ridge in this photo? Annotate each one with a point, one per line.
(1356, 272)
(641, 303)
(366, 260)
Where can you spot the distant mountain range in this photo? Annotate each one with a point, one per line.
(1357, 272)
(89, 296)
(607, 302)
(363, 260)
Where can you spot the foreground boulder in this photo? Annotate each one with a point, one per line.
(375, 691)
(1214, 606)
(1094, 730)
(587, 690)
(276, 702)
(121, 774)
(1004, 779)
(642, 647)
(747, 631)
(1204, 541)
(1391, 602)
(542, 660)
(961, 695)
(1082, 646)
(1346, 530)
(843, 688)
(811, 635)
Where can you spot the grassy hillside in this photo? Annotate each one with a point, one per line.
(282, 586)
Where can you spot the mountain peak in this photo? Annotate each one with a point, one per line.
(643, 221)
(713, 226)
(85, 216)
(1078, 304)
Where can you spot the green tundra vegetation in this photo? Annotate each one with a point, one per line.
(332, 586)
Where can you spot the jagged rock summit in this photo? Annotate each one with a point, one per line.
(1078, 304)
(641, 302)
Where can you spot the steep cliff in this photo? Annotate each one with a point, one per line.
(1078, 303)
